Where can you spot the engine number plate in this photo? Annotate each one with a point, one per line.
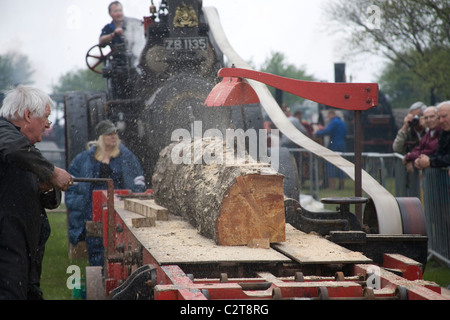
(200, 43)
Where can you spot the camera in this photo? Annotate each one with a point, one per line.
(414, 121)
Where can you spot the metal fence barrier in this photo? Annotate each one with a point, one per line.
(386, 168)
(431, 186)
(436, 189)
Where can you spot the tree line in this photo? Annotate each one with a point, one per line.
(413, 36)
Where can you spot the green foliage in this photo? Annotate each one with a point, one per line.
(414, 35)
(428, 83)
(14, 69)
(402, 87)
(277, 64)
(80, 80)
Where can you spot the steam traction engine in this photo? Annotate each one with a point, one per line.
(157, 248)
(157, 79)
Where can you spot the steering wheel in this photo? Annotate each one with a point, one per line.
(96, 55)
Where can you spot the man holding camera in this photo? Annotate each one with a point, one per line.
(412, 130)
(408, 137)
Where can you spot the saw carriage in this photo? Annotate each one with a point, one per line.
(228, 231)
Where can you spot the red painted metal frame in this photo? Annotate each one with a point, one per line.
(416, 289)
(181, 287)
(147, 22)
(178, 286)
(410, 269)
(115, 235)
(100, 213)
(348, 96)
(174, 284)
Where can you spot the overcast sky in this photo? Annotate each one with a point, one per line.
(56, 34)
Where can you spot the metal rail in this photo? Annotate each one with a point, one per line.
(436, 189)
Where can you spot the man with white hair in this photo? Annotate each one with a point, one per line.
(29, 183)
(441, 158)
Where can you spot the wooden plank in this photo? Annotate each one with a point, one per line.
(143, 222)
(313, 249)
(176, 241)
(147, 208)
(259, 243)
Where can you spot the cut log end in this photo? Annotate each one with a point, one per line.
(253, 208)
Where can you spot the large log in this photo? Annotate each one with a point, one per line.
(232, 203)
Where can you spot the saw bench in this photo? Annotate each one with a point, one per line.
(171, 260)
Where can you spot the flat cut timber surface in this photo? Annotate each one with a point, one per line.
(177, 241)
(313, 249)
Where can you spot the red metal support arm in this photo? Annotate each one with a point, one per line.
(348, 96)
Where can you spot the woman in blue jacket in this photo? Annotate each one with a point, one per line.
(105, 158)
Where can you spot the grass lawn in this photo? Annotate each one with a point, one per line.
(437, 272)
(56, 260)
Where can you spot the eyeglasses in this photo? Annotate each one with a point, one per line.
(49, 122)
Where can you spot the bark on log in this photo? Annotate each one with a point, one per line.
(231, 203)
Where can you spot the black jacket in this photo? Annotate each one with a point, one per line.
(24, 227)
(442, 156)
